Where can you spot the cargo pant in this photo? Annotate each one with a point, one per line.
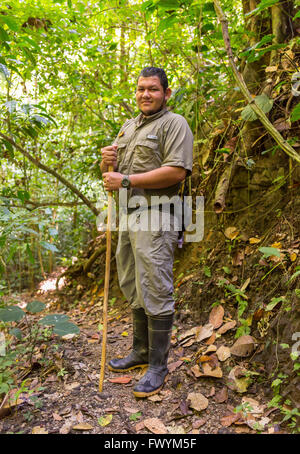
(145, 261)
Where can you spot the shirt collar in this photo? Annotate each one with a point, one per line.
(141, 119)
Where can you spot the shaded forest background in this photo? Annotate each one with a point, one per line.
(67, 80)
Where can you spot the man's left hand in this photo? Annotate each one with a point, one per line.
(112, 180)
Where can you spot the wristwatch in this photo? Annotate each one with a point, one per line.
(126, 182)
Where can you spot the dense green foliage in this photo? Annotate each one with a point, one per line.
(68, 72)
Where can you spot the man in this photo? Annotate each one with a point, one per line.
(151, 157)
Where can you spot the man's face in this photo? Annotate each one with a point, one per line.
(150, 95)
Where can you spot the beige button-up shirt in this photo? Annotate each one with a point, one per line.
(147, 143)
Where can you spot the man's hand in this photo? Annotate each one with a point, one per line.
(112, 180)
(109, 157)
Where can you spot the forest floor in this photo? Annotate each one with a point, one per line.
(208, 391)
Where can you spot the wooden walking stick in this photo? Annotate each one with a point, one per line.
(106, 285)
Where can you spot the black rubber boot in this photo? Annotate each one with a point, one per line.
(160, 330)
(139, 355)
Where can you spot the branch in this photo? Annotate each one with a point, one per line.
(47, 169)
(284, 145)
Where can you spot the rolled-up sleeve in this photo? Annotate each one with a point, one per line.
(178, 144)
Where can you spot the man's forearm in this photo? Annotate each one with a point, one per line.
(160, 178)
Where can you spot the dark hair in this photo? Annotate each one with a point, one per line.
(151, 71)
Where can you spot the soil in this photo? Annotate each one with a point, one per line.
(66, 388)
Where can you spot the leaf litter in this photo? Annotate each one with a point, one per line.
(198, 375)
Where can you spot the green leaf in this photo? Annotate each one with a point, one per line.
(274, 303)
(269, 251)
(49, 246)
(35, 306)
(11, 314)
(263, 101)
(296, 15)
(29, 253)
(264, 4)
(135, 416)
(168, 4)
(248, 114)
(23, 196)
(53, 319)
(295, 115)
(3, 35)
(11, 106)
(64, 328)
(53, 232)
(4, 71)
(16, 332)
(10, 22)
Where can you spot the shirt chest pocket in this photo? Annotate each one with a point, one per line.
(121, 152)
(146, 156)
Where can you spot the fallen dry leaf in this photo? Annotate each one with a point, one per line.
(226, 327)
(121, 380)
(242, 429)
(223, 353)
(209, 372)
(39, 430)
(254, 240)
(155, 426)
(56, 417)
(244, 346)
(204, 358)
(204, 332)
(155, 398)
(227, 420)
(173, 366)
(256, 407)
(212, 392)
(139, 426)
(238, 258)
(216, 316)
(71, 386)
(66, 428)
(196, 371)
(197, 401)
(231, 233)
(82, 426)
(198, 423)
(221, 396)
(211, 340)
(210, 349)
(131, 410)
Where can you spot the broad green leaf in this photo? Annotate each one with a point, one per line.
(10, 22)
(4, 71)
(295, 115)
(263, 101)
(35, 306)
(3, 35)
(17, 333)
(49, 246)
(53, 319)
(11, 314)
(64, 328)
(274, 303)
(269, 251)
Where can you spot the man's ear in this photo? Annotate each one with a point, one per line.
(168, 93)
